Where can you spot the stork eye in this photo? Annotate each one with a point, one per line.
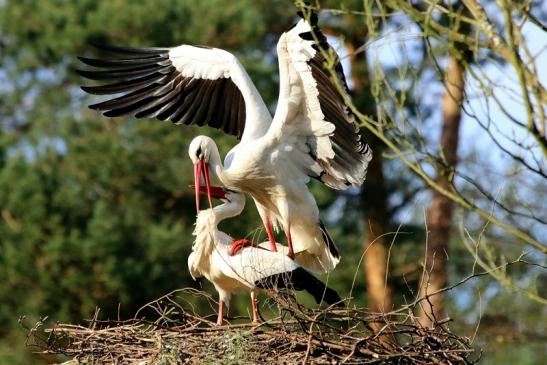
(198, 153)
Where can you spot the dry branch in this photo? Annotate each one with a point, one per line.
(295, 335)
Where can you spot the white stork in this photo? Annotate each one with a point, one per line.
(244, 267)
(312, 134)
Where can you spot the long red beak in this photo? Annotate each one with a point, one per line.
(216, 191)
(202, 168)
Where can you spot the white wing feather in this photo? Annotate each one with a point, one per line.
(252, 264)
(311, 108)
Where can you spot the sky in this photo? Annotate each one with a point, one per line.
(397, 47)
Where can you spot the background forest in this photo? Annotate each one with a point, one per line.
(96, 212)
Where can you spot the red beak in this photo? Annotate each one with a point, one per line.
(202, 168)
(216, 191)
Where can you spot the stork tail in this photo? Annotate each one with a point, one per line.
(300, 279)
(328, 241)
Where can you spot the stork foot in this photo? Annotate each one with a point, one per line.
(238, 245)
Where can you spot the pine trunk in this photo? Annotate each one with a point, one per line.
(440, 213)
(373, 193)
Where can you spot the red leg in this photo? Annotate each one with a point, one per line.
(220, 312)
(254, 302)
(271, 237)
(289, 243)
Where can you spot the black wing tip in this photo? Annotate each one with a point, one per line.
(310, 15)
(114, 113)
(89, 74)
(313, 14)
(93, 74)
(89, 90)
(128, 49)
(95, 106)
(85, 60)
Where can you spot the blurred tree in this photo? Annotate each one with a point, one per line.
(374, 200)
(440, 213)
(377, 222)
(504, 157)
(96, 212)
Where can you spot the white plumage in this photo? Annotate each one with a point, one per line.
(252, 268)
(274, 179)
(312, 134)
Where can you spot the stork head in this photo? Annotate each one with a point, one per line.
(200, 152)
(201, 148)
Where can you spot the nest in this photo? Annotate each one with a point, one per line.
(296, 335)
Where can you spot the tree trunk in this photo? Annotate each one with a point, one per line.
(373, 194)
(439, 214)
(380, 294)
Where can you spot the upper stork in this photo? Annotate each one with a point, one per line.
(312, 134)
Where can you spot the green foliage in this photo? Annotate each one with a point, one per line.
(95, 217)
(96, 212)
(53, 30)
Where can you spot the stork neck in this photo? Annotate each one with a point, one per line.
(215, 163)
(228, 210)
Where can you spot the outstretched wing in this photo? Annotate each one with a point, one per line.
(310, 106)
(186, 85)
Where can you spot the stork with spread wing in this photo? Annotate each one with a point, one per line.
(312, 134)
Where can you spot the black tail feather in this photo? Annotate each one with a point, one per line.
(328, 241)
(299, 279)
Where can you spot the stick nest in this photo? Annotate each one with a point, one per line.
(295, 335)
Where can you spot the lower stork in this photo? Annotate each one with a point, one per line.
(238, 265)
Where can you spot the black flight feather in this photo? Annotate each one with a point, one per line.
(151, 86)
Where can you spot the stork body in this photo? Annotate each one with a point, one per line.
(273, 178)
(251, 268)
(312, 134)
